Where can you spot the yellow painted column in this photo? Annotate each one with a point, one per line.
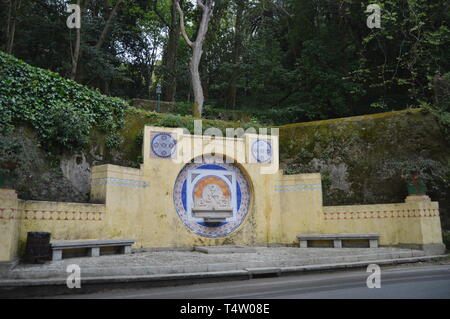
(9, 224)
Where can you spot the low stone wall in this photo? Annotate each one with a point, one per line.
(412, 224)
(63, 220)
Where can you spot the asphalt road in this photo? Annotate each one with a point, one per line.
(408, 282)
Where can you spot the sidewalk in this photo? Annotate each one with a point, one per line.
(168, 267)
(175, 262)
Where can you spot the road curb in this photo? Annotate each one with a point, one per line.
(22, 288)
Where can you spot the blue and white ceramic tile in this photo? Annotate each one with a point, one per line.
(182, 197)
(262, 151)
(163, 145)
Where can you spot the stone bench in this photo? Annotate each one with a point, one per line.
(338, 238)
(93, 246)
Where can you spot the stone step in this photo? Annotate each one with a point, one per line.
(225, 249)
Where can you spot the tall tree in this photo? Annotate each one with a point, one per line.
(76, 56)
(236, 55)
(170, 59)
(13, 13)
(197, 51)
(108, 24)
(76, 51)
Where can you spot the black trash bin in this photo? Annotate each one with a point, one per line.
(38, 247)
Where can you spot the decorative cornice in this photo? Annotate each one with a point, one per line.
(381, 214)
(63, 215)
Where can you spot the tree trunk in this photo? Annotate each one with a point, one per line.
(76, 53)
(108, 25)
(8, 25)
(197, 88)
(237, 46)
(11, 36)
(197, 51)
(12, 25)
(170, 57)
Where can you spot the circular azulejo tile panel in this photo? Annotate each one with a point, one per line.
(216, 190)
(262, 151)
(163, 145)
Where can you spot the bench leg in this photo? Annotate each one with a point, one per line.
(337, 243)
(303, 244)
(373, 243)
(56, 254)
(125, 250)
(94, 252)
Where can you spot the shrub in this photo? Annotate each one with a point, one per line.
(183, 108)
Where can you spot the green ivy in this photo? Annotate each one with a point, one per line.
(61, 111)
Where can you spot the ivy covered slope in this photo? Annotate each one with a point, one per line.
(355, 154)
(62, 112)
(45, 118)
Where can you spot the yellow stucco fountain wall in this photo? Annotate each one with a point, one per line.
(139, 204)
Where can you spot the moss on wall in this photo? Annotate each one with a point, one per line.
(350, 153)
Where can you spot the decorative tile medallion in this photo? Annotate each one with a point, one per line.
(163, 145)
(262, 151)
(216, 188)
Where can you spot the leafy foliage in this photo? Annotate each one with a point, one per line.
(281, 61)
(61, 111)
(307, 60)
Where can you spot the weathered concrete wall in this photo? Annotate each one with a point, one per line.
(62, 220)
(398, 224)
